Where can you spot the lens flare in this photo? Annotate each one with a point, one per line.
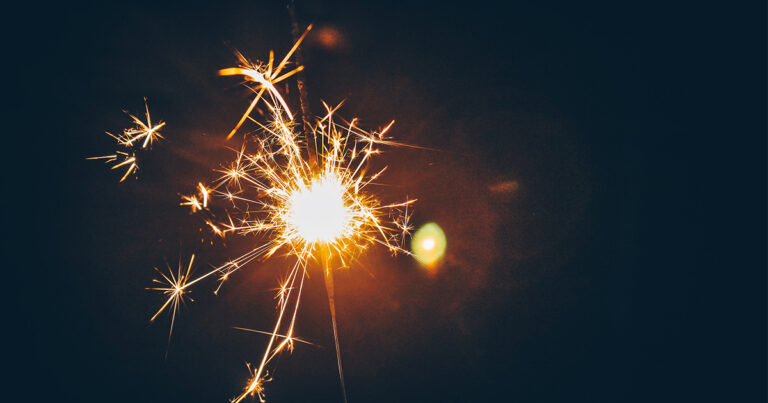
(428, 244)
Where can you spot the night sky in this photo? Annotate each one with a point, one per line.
(599, 171)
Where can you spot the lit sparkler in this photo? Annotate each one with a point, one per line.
(306, 198)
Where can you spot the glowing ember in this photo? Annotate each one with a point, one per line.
(317, 211)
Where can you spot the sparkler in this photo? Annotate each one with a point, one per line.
(306, 196)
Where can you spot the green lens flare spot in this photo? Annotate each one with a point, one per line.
(428, 244)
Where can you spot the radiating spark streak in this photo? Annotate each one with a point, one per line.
(254, 386)
(173, 285)
(204, 192)
(129, 159)
(270, 333)
(215, 229)
(307, 200)
(266, 78)
(130, 169)
(193, 202)
(141, 130)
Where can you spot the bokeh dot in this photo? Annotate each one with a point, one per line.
(428, 244)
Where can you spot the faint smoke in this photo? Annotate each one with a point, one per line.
(504, 187)
(329, 38)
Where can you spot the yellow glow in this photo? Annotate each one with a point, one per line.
(317, 212)
(428, 244)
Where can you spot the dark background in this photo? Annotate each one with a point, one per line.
(625, 261)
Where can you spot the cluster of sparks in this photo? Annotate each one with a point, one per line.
(141, 135)
(304, 194)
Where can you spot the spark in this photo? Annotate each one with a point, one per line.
(129, 139)
(141, 130)
(269, 334)
(214, 228)
(204, 192)
(199, 204)
(172, 285)
(265, 78)
(403, 224)
(128, 160)
(193, 202)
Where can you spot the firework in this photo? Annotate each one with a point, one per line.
(304, 196)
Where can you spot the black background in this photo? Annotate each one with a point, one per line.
(627, 263)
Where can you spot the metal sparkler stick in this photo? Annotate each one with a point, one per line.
(325, 249)
(303, 97)
(326, 258)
